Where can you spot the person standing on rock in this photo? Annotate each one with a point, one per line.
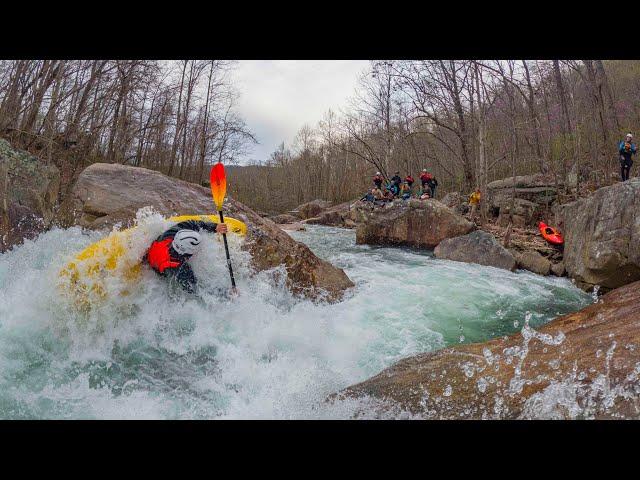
(433, 183)
(378, 179)
(474, 201)
(168, 255)
(627, 149)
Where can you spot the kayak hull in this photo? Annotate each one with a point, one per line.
(550, 234)
(85, 276)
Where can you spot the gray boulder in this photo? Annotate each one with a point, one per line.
(416, 223)
(539, 189)
(602, 236)
(477, 247)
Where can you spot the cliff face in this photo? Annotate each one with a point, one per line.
(602, 236)
(582, 365)
(106, 194)
(416, 223)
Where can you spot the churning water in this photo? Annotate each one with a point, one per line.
(159, 353)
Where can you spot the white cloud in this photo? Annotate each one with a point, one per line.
(280, 96)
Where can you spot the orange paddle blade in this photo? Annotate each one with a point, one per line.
(218, 184)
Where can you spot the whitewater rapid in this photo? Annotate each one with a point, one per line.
(157, 353)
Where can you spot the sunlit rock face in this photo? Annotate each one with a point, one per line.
(602, 236)
(582, 365)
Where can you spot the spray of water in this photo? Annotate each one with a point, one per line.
(156, 352)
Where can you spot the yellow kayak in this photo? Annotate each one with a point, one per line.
(85, 275)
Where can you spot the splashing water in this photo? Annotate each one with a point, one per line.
(160, 353)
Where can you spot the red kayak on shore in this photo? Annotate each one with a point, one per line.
(550, 234)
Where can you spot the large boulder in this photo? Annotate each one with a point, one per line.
(28, 195)
(476, 247)
(602, 236)
(581, 365)
(312, 209)
(539, 189)
(416, 223)
(106, 194)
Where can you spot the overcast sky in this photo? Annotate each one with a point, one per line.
(277, 97)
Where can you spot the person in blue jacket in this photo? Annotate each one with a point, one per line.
(627, 149)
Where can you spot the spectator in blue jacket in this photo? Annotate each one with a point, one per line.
(627, 149)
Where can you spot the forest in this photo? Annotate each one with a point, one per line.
(467, 121)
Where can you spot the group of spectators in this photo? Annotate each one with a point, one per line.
(396, 187)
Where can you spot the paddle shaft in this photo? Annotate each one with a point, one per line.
(226, 250)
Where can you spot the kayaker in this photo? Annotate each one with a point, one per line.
(425, 177)
(409, 179)
(626, 148)
(405, 191)
(396, 180)
(168, 255)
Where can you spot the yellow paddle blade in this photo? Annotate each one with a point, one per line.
(218, 184)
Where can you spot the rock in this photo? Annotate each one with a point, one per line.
(524, 212)
(342, 215)
(293, 227)
(539, 189)
(284, 218)
(581, 365)
(106, 194)
(312, 209)
(534, 262)
(456, 201)
(417, 223)
(558, 269)
(453, 199)
(602, 236)
(477, 247)
(28, 195)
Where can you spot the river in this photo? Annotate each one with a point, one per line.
(157, 353)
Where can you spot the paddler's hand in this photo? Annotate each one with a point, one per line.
(222, 228)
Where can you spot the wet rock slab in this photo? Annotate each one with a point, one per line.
(582, 365)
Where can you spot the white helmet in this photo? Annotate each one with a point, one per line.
(629, 135)
(378, 173)
(424, 169)
(186, 242)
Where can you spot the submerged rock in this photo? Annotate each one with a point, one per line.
(602, 236)
(477, 247)
(582, 365)
(28, 195)
(416, 223)
(106, 194)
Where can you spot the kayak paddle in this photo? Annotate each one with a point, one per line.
(219, 190)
